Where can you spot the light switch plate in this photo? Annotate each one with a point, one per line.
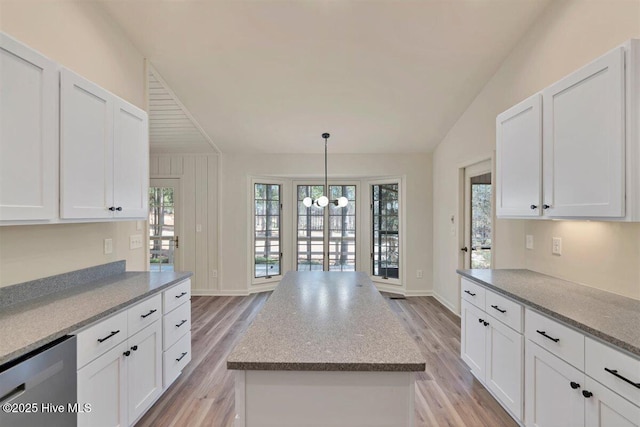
(419, 274)
(556, 246)
(529, 243)
(108, 246)
(135, 241)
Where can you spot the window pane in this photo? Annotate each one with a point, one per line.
(310, 232)
(342, 230)
(480, 225)
(385, 231)
(267, 230)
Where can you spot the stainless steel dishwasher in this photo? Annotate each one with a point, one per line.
(39, 388)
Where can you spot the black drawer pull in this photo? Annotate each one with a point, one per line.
(615, 373)
(485, 323)
(587, 394)
(181, 295)
(108, 336)
(127, 353)
(134, 348)
(470, 293)
(181, 323)
(148, 314)
(181, 357)
(499, 309)
(574, 385)
(480, 320)
(547, 336)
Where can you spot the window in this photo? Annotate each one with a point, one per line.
(481, 221)
(385, 208)
(326, 237)
(266, 235)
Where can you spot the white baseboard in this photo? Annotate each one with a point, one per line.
(262, 288)
(218, 293)
(446, 303)
(418, 293)
(392, 289)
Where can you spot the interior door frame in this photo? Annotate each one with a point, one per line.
(176, 183)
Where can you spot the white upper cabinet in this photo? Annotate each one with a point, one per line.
(519, 159)
(584, 141)
(86, 148)
(28, 133)
(590, 145)
(104, 152)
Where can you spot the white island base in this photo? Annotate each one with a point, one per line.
(321, 398)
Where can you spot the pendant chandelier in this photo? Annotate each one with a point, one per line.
(323, 200)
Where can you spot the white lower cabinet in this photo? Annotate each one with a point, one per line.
(177, 330)
(607, 409)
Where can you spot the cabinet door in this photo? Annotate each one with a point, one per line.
(584, 141)
(144, 383)
(519, 159)
(550, 398)
(504, 365)
(472, 345)
(86, 148)
(606, 409)
(102, 385)
(130, 161)
(28, 133)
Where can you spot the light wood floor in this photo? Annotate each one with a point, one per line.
(446, 393)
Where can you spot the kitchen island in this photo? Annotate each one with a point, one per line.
(326, 350)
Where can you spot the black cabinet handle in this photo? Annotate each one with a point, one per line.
(134, 348)
(574, 385)
(127, 353)
(181, 295)
(485, 323)
(112, 208)
(534, 207)
(500, 310)
(469, 292)
(108, 336)
(148, 314)
(480, 320)
(587, 394)
(181, 323)
(119, 208)
(181, 357)
(615, 373)
(547, 336)
(546, 206)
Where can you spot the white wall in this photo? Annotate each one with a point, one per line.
(198, 175)
(236, 171)
(81, 37)
(567, 35)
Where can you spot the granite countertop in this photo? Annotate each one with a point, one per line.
(611, 318)
(326, 321)
(33, 322)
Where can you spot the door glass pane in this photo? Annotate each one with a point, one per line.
(267, 230)
(310, 230)
(481, 221)
(342, 229)
(385, 230)
(161, 228)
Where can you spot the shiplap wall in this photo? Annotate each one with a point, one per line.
(198, 174)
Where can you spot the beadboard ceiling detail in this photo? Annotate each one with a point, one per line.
(172, 128)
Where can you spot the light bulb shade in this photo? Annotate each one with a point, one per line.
(307, 201)
(343, 201)
(323, 201)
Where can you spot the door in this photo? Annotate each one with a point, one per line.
(86, 148)
(144, 369)
(28, 133)
(472, 340)
(478, 216)
(519, 160)
(553, 390)
(164, 224)
(326, 237)
(584, 141)
(130, 161)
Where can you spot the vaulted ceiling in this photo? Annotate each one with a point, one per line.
(271, 76)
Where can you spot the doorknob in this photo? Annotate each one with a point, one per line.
(177, 242)
(465, 249)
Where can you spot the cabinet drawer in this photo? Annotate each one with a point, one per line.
(560, 340)
(176, 358)
(176, 295)
(505, 310)
(176, 324)
(472, 292)
(144, 313)
(101, 337)
(608, 365)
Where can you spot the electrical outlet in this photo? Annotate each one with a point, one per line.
(529, 244)
(198, 228)
(108, 246)
(419, 274)
(556, 246)
(135, 241)
(215, 273)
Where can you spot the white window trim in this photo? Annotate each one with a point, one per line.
(285, 223)
(359, 216)
(400, 180)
